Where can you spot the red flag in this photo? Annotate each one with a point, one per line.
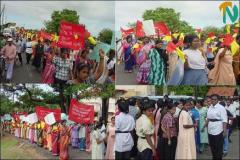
(45, 35)
(180, 43)
(211, 34)
(127, 32)
(139, 29)
(161, 28)
(171, 47)
(43, 111)
(17, 115)
(227, 40)
(80, 112)
(71, 36)
(87, 34)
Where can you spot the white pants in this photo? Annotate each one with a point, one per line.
(9, 70)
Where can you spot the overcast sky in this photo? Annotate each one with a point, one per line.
(196, 13)
(96, 15)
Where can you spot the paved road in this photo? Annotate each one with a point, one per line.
(123, 78)
(25, 73)
(233, 152)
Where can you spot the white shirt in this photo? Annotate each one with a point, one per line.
(232, 109)
(177, 112)
(195, 59)
(236, 104)
(18, 46)
(124, 141)
(29, 49)
(216, 112)
(103, 131)
(82, 131)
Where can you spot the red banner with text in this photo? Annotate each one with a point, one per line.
(81, 113)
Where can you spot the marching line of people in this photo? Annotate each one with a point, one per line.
(164, 129)
(94, 138)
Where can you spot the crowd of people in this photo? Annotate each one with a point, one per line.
(58, 65)
(206, 63)
(96, 138)
(170, 129)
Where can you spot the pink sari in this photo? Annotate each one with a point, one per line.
(49, 71)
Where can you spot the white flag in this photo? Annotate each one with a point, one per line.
(32, 118)
(50, 119)
(148, 28)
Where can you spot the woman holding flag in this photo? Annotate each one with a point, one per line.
(222, 73)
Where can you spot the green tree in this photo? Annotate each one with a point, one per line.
(105, 35)
(52, 26)
(170, 18)
(216, 30)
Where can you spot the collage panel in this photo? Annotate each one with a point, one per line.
(42, 121)
(177, 43)
(177, 122)
(57, 42)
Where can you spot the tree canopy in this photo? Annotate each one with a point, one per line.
(22, 97)
(52, 25)
(105, 35)
(170, 17)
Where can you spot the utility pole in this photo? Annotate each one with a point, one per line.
(2, 14)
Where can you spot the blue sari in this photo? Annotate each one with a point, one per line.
(129, 59)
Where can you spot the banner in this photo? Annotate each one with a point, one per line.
(43, 111)
(45, 35)
(32, 118)
(50, 119)
(71, 36)
(81, 113)
(148, 27)
(94, 55)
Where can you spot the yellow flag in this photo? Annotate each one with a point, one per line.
(180, 54)
(234, 48)
(175, 35)
(214, 49)
(92, 40)
(228, 29)
(237, 24)
(136, 45)
(208, 40)
(167, 38)
(181, 36)
(42, 124)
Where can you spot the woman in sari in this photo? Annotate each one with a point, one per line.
(128, 57)
(39, 135)
(158, 59)
(222, 73)
(74, 136)
(64, 140)
(55, 139)
(88, 141)
(49, 70)
(49, 138)
(186, 148)
(110, 140)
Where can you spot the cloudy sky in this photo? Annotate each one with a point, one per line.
(96, 15)
(196, 13)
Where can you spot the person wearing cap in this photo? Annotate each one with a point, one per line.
(9, 51)
(145, 131)
(217, 127)
(124, 124)
(159, 58)
(186, 147)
